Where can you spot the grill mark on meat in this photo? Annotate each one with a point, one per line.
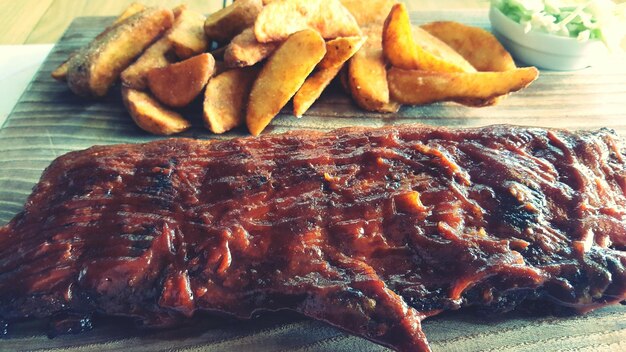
(371, 230)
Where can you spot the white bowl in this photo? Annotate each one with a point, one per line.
(545, 50)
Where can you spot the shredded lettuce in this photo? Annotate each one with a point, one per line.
(582, 19)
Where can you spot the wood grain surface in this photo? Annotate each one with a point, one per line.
(49, 121)
(44, 21)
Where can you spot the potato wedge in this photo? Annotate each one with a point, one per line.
(151, 116)
(158, 54)
(413, 48)
(187, 34)
(367, 74)
(226, 23)
(245, 50)
(226, 98)
(60, 73)
(95, 67)
(179, 9)
(312, 89)
(338, 51)
(165, 51)
(474, 89)
(180, 83)
(375, 12)
(281, 18)
(479, 47)
(131, 10)
(282, 76)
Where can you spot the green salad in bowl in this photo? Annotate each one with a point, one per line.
(559, 34)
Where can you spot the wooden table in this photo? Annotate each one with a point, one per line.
(44, 21)
(49, 121)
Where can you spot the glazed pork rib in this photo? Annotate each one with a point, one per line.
(370, 230)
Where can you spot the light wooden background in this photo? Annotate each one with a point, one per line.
(44, 21)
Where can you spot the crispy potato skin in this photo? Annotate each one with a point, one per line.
(180, 83)
(282, 76)
(312, 89)
(281, 18)
(381, 60)
(367, 74)
(94, 68)
(131, 10)
(151, 116)
(245, 50)
(226, 23)
(187, 34)
(60, 73)
(479, 47)
(474, 89)
(226, 99)
(413, 48)
(338, 51)
(184, 39)
(157, 55)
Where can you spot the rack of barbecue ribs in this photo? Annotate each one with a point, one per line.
(370, 230)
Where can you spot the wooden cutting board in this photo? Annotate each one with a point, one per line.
(49, 121)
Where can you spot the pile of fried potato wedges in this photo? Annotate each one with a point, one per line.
(254, 56)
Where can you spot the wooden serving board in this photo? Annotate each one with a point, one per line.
(49, 121)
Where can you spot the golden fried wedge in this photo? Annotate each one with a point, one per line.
(282, 76)
(181, 40)
(245, 50)
(60, 73)
(151, 116)
(479, 47)
(280, 18)
(131, 10)
(413, 48)
(338, 51)
(367, 74)
(226, 23)
(187, 34)
(372, 12)
(179, 9)
(158, 54)
(312, 89)
(474, 89)
(94, 68)
(178, 84)
(226, 98)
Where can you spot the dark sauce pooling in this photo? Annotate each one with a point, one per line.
(371, 230)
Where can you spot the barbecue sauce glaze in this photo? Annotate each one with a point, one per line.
(371, 230)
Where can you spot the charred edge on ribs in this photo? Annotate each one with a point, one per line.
(371, 230)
